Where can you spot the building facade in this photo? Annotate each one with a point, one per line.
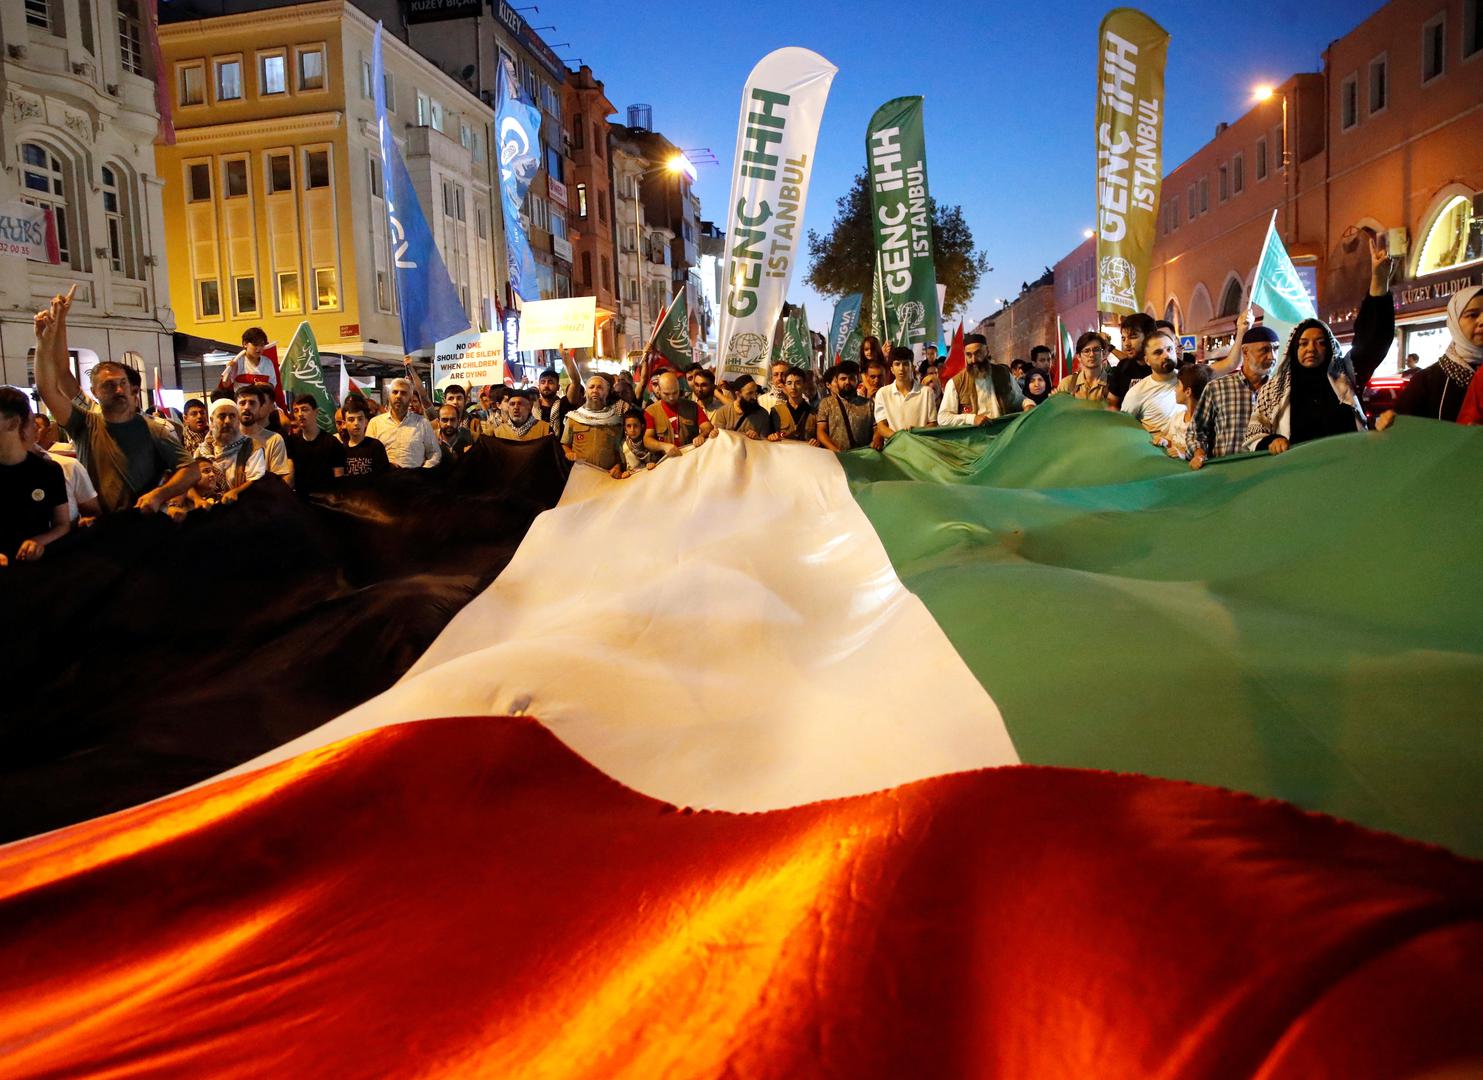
(1382, 142)
(273, 204)
(629, 165)
(593, 223)
(1076, 289)
(79, 127)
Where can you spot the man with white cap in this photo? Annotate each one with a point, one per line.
(234, 458)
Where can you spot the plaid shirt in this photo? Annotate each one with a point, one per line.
(1221, 417)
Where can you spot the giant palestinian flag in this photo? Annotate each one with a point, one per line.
(1011, 751)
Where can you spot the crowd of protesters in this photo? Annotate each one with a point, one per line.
(103, 452)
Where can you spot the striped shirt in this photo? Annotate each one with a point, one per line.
(1222, 414)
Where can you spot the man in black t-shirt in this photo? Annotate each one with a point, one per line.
(364, 456)
(33, 492)
(319, 459)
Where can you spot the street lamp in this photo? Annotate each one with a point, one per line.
(1087, 234)
(1263, 93)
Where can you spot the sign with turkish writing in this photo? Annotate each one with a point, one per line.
(469, 360)
(896, 156)
(567, 323)
(1130, 130)
(520, 30)
(782, 106)
(557, 191)
(421, 11)
(28, 232)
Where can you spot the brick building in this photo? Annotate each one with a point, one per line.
(590, 195)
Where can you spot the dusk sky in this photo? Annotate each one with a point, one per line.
(1008, 88)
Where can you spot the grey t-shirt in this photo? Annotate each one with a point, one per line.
(150, 452)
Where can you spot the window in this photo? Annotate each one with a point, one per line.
(114, 219)
(476, 143)
(607, 273)
(288, 292)
(280, 173)
(45, 183)
(424, 110)
(311, 67)
(192, 80)
(38, 14)
(465, 137)
(558, 223)
(234, 178)
(378, 189)
(1261, 158)
(199, 186)
(367, 86)
(602, 211)
(629, 238)
(633, 289)
(325, 293)
(577, 132)
(1204, 194)
(316, 169)
(245, 290)
(582, 200)
(1379, 84)
(1238, 174)
(131, 36)
(229, 80)
(1230, 300)
(272, 74)
(1434, 48)
(1472, 28)
(482, 219)
(388, 89)
(1193, 201)
(1349, 103)
(555, 165)
(438, 118)
(208, 299)
(1454, 238)
(1223, 177)
(598, 143)
(586, 262)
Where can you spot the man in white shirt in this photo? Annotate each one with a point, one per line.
(777, 371)
(409, 439)
(903, 404)
(255, 402)
(1151, 400)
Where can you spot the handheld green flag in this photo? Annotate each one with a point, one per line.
(1278, 289)
(795, 343)
(672, 339)
(302, 374)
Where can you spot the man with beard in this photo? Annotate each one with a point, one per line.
(255, 400)
(1153, 400)
(672, 422)
(124, 455)
(845, 420)
(745, 414)
(703, 389)
(453, 437)
(407, 436)
(1131, 366)
(592, 433)
(1225, 405)
(872, 377)
(229, 454)
(550, 406)
(982, 391)
(777, 372)
(520, 423)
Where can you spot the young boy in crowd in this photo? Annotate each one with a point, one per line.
(636, 457)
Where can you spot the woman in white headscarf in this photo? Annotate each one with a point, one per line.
(1437, 392)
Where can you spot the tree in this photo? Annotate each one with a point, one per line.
(843, 261)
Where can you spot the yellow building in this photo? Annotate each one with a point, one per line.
(272, 191)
